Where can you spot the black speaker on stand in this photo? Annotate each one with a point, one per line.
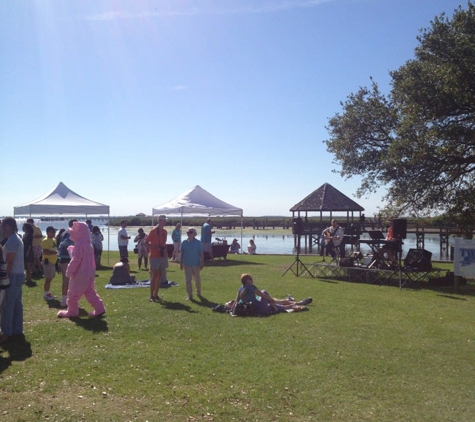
(400, 228)
(297, 226)
(297, 267)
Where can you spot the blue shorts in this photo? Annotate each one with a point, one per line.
(124, 253)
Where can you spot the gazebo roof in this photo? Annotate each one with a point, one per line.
(327, 198)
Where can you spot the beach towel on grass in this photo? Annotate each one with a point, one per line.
(142, 283)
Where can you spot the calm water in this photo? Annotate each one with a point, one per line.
(267, 243)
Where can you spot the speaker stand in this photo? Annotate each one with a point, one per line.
(399, 259)
(298, 267)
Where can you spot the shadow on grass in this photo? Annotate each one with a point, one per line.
(444, 291)
(327, 280)
(18, 349)
(448, 292)
(229, 263)
(177, 306)
(95, 325)
(54, 304)
(31, 283)
(202, 301)
(452, 297)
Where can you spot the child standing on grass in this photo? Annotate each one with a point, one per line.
(81, 272)
(50, 257)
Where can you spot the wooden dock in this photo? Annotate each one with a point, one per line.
(311, 236)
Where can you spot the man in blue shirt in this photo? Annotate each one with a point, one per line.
(191, 260)
(206, 232)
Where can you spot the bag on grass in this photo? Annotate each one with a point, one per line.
(244, 309)
(219, 308)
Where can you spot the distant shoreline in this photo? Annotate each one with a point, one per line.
(275, 224)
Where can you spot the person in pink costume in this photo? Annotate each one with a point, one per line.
(81, 271)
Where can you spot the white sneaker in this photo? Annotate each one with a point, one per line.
(49, 296)
(63, 303)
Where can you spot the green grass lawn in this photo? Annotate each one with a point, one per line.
(361, 353)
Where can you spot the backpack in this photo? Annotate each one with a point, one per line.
(244, 309)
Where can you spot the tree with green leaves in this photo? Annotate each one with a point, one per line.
(418, 141)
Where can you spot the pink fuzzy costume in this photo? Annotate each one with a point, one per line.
(82, 271)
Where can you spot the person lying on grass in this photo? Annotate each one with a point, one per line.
(262, 302)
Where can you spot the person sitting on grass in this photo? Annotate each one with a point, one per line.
(121, 273)
(235, 247)
(251, 248)
(262, 302)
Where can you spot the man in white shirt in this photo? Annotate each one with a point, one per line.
(123, 240)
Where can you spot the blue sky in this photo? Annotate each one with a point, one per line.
(131, 103)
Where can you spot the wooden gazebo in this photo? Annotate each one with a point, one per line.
(326, 201)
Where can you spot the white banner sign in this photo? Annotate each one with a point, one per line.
(464, 257)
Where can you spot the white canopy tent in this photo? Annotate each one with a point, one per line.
(197, 201)
(63, 201)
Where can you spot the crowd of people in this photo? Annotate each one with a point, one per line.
(76, 252)
(190, 255)
(71, 252)
(152, 249)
